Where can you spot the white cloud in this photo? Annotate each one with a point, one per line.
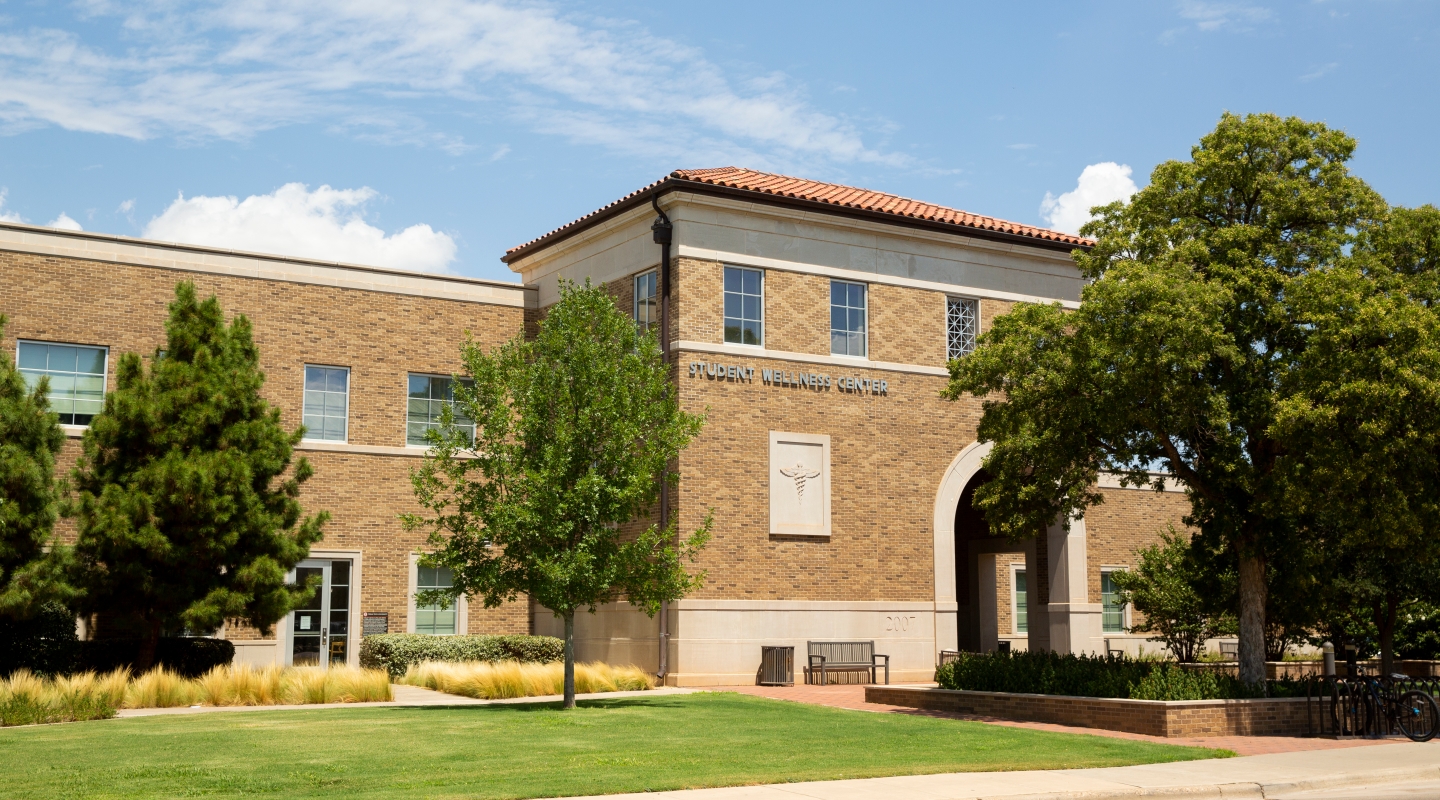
(1215, 16)
(1320, 72)
(64, 223)
(1099, 184)
(325, 224)
(1020, 146)
(126, 207)
(7, 216)
(230, 70)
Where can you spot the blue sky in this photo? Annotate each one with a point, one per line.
(450, 131)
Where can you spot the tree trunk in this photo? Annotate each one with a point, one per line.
(1385, 623)
(145, 659)
(1252, 618)
(570, 658)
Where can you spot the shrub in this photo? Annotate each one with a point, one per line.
(501, 679)
(44, 643)
(1096, 676)
(186, 656)
(397, 652)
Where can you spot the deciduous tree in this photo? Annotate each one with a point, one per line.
(188, 509)
(1179, 352)
(574, 430)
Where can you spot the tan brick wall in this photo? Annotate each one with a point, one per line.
(907, 326)
(1127, 521)
(381, 337)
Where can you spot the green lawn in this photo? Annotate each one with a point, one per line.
(621, 745)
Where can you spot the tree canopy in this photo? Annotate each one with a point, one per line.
(1191, 334)
(574, 431)
(30, 438)
(187, 508)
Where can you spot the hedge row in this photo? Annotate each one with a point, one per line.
(46, 644)
(395, 652)
(1094, 676)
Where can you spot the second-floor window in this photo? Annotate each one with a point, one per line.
(77, 378)
(426, 401)
(327, 403)
(744, 306)
(962, 323)
(847, 319)
(647, 310)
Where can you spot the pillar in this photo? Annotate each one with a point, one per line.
(1074, 622)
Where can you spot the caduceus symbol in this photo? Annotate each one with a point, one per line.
(800, 474)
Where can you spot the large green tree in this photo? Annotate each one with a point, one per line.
(574, 431)
(30, 437)
(1360, 419)
(1180, 351)
(188, 509)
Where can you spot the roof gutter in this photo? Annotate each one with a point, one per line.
(672, 184)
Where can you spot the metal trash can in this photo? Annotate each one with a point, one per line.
(777, 666)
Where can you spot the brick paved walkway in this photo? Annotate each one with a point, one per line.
(853, 697)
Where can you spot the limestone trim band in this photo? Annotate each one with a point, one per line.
(35, 240)
(843, 362)
(860, 276)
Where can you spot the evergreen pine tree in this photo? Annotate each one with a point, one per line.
(30, 437)
(186, 515)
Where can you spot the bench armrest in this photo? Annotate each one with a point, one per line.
(879, 656)
(815, 656)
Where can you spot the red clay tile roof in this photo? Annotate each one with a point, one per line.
(843, 197)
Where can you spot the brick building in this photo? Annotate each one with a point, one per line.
(810, 323)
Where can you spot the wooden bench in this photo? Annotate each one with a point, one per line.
(827, 657)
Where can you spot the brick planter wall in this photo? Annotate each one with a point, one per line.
(1266, 717)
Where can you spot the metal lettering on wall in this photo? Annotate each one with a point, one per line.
(788, 379)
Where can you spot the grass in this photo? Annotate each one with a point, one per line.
(26, 699)
(527, 750)
(488, 680)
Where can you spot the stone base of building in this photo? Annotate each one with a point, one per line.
(1262, 717)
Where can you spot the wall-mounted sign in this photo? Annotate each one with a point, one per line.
(788, 379)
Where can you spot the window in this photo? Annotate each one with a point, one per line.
(1112, 611)
(647, 312)
(77, 378)
(428, 396)
(744, 306)
(1022, 623)
(327, 403)
(847, 318)
(962, 319)
(435, 619)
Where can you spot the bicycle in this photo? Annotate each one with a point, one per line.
(1371, 700)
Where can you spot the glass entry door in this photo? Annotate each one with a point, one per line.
(319, 630)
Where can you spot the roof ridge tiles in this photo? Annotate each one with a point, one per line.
(832, 194)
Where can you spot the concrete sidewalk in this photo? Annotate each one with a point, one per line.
(1269, 776)
(405, 697)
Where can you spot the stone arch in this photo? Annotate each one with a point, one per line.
(947, 499)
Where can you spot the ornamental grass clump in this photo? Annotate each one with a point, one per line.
(26, 699)
(497, 680)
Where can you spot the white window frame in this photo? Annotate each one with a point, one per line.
(960, 299)
(763, 324)
(635, 299)
(865, 338)
(1016, 568)
(462, 609)
(1106, 569)
(348, 385)
(104, 375)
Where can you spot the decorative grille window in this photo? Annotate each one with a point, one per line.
(435, 619)
(744, 306)
(647, 312)
(962, 322)
(426, 401)
(77, 378)
(847, 319)
(1112, 619)
(327, 403)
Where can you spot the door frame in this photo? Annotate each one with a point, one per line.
(282, 628)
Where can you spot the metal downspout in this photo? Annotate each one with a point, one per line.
(661, 230)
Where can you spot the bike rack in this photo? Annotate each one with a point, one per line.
(1345, 708)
